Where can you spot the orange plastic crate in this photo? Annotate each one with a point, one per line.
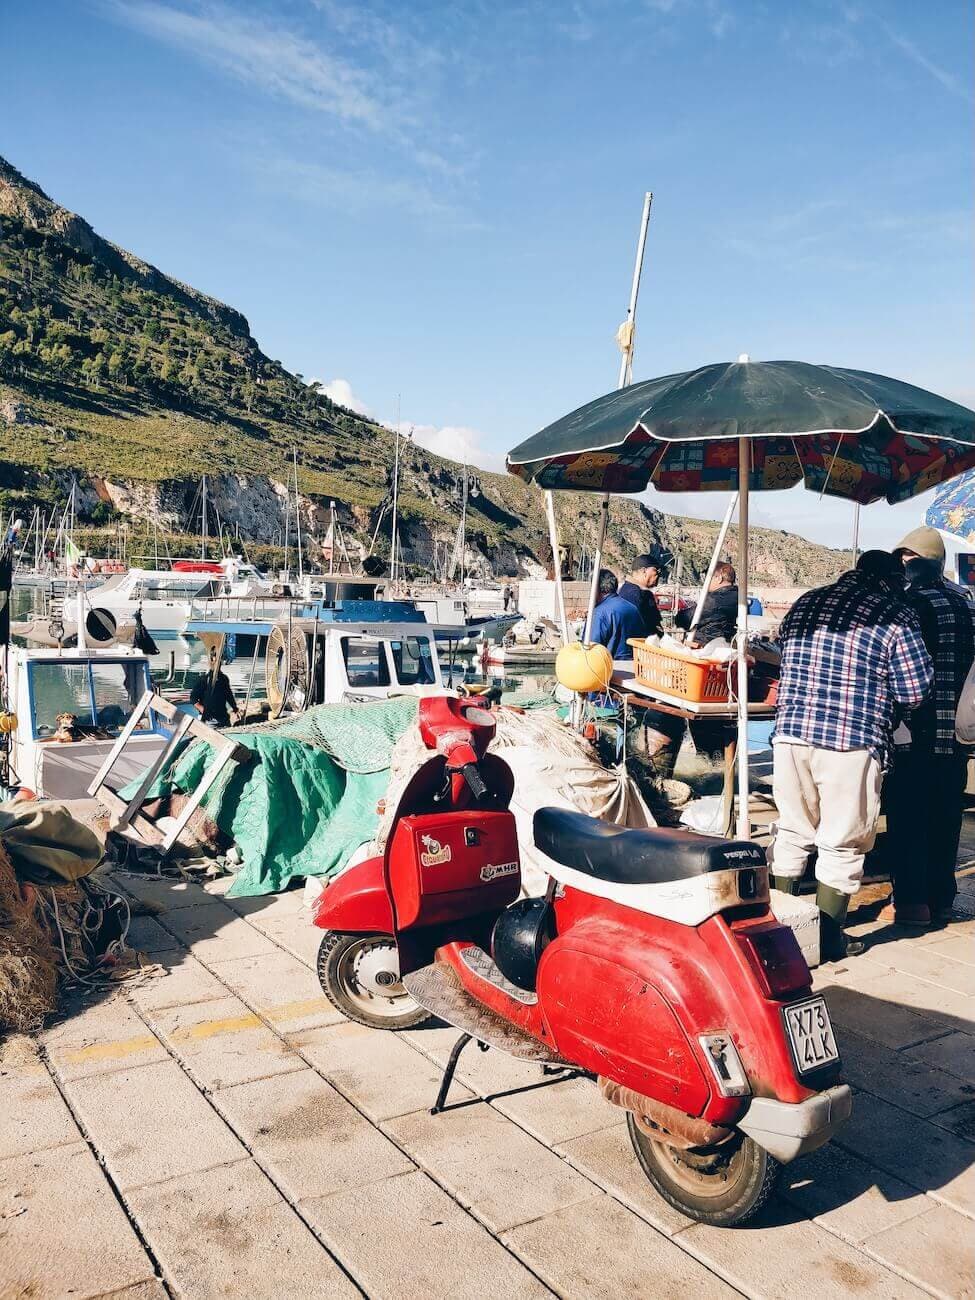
(701, 681)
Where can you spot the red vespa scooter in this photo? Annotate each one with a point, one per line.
(653, 963)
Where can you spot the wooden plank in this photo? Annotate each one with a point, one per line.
(153, 770)
(137, 715)
(221, 761)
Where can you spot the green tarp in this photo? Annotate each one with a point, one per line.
(308, 800)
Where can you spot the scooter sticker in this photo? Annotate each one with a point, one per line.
(436, 853)
(494, 870)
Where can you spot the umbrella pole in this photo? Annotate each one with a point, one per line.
(597, 564)
(744, 466)
(553, 537)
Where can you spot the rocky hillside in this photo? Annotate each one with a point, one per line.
(116, 376)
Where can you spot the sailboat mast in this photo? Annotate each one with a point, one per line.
(203, 537)
(394, 539)
(294, 453)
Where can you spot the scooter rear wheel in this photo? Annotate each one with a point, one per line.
(721, 1186)
(355, 973)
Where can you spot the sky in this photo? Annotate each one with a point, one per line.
(433, 207)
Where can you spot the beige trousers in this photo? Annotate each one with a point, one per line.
(828, 800)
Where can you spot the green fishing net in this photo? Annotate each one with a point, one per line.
(308, 799)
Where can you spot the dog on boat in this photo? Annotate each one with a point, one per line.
(67, 729)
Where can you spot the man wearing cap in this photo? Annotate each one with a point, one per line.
(926, 788)
(852, 653)
(638, 590)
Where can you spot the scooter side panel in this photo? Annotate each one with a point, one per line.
(613, 1021)
(357, 902)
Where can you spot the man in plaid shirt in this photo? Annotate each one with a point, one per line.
(926, 788)
(851, 654)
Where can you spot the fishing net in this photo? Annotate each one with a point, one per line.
(308, 799)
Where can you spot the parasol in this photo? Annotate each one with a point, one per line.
(745, 426)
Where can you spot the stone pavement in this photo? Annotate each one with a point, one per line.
(216, 1129)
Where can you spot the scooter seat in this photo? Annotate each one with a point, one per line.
(623, 856)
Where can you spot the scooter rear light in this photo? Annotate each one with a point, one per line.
(775, 957)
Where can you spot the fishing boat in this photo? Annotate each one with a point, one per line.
(70, 706)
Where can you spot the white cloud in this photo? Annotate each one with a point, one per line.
(268, 55)
(358, 191)
(340, 392)
(456, 442)
(946, 79)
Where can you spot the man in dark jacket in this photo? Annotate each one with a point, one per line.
(719, 612)
(926, 787)
(638, 590)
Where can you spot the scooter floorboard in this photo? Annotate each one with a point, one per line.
(438, 988)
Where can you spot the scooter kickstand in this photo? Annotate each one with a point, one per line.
(448, 1074)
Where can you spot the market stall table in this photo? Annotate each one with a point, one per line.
(635, 693)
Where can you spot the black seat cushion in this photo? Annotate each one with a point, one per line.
(622, 856)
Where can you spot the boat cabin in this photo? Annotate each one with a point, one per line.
(70, 707)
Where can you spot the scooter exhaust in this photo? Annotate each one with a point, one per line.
(663, 1122)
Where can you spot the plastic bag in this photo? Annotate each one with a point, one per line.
(965, 713)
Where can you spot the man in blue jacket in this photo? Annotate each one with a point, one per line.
(614, 619)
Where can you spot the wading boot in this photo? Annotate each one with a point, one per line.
(784, 884)
(834, 945)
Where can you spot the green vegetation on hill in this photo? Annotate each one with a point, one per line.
(110, 370)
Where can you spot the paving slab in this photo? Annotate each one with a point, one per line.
(292, 932)
(878, 1018)
(216, 933)
(935, 1251)
(899, 1077)
(960, 947)
(100, 1038)
(781, 1256)
(850, 1196)
(223, 1042)
(404, 1238)
(376, 1070)
(160, 893)
(932, 964)
(280, 988)
(607, 1159)
(151, 1123)
(492, 1168)
(558, 1110)
(954, 1052)
(934, 1001)
(598, 1250)
(62, 1231)
(146, 935)
(227, 1232)
(176, 979)
(34, 1116)
(308, 1136)
(922, 1154)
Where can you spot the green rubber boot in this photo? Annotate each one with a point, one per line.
(834, 944)
(784, 884)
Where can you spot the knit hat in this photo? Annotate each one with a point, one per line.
(926, 542)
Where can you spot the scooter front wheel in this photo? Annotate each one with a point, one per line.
(721, 1186)
(359, 974)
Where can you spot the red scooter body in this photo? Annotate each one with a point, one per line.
(684, 1024)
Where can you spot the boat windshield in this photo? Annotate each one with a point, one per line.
(100, 696)
(413, 661)
(365, 663)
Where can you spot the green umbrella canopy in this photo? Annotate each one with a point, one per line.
(845, 432)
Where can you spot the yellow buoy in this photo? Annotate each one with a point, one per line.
(8, 723)
(584, 668)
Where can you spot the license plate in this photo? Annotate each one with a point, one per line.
(811, 1035)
